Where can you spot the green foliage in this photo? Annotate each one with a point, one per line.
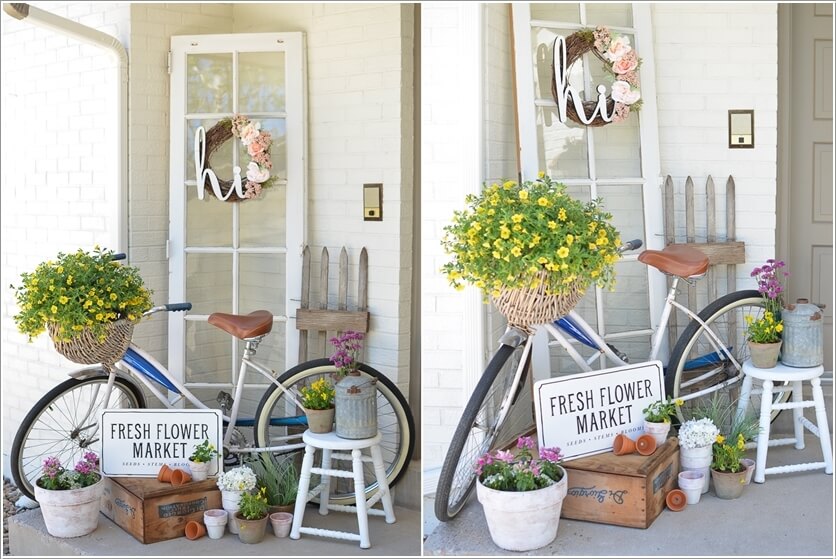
(764, 330)
(278, 477)
(253, 506)
(726, 457)
(204, 452)
(510, 233)
(77, 291)
(661, 411)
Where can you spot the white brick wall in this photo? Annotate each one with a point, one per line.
(54, 95)
(709, 58)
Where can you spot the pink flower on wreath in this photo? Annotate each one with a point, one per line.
(630, 77)
(626, 63)
(621, 112)
(621, 93)
(253, 190)
(602, 37)
(617, 48)
(250, 132)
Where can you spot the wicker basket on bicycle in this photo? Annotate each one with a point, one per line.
(87, 348)
(526, 307)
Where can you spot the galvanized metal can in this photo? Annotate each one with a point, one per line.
(803, 335)
(356, 407)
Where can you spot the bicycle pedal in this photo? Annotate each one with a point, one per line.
(231, 460)
(225, 400)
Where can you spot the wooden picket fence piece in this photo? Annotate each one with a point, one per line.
(322, 320)
(726, 253)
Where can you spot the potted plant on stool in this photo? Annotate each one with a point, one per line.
(252, 517)
(657, 418)
(69, 499)
(201, 460)
(521, 495)
(318, 403)
(764, 333)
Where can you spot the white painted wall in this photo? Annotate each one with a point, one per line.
(709, 58)
(54, 134)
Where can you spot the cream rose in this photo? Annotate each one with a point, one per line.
(250, 132)
(618, 48)
(622, 93)
(255, 174)
(625, 64)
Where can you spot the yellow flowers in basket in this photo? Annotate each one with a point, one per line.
(525, 235)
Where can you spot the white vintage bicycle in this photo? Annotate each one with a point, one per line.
(706, 360)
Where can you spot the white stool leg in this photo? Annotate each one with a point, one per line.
(360, 497)
(743, 402)
(797, 414)
(821, 421)
(382, 484)
(302, 492)
(325, 494)
(763, 436)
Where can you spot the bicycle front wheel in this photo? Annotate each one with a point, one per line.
(64, 424)
(489, 420)
(278, 416)
(699, 369)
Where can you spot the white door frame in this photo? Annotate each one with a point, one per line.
(293, 44)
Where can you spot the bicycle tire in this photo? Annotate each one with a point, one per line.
(692, 343)
(472, 439)
(52, 413)
(395, 423)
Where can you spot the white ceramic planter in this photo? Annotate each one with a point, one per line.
(523, 520)
(281, 522)
(697, 459)
(215, 520)
(659, 431)
(230, 501)
(749, 464)
(691, 482)
(199, 470)
(72, 512)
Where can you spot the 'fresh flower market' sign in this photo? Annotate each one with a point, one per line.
(138, 442)
(583, 413)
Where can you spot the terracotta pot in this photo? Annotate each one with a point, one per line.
(523, 520)
(251, 531)
(646, 445)
(320, 421)
(164, 475)
(180, 477)
(70, 513)
(195, 530)
(281, 522)
(676, 500)
(623, 445)
(764, 356)
(290, 507)
(749, 464)
(728, 485)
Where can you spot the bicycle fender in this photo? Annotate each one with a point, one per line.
(513, 337)
(95, 371)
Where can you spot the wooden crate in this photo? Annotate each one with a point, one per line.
(622, 490)
(152, 511)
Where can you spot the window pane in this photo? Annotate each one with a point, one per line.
(209, 83)
(262, 283)
(542, 39)
(625, 203)
(261, 86)
(208, 353)
(270, 353)
(562, 150)
(209, 282)
(221, 160)
(263, 221)
(627, 306)
(617, 15)
(568, 13)
(208, 221)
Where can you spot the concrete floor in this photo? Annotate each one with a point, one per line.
(789, 515)
(28, 537)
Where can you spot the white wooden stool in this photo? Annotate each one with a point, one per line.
(329, 442)
(794, 376)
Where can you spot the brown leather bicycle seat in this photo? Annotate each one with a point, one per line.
(243, 326)
(678, 260)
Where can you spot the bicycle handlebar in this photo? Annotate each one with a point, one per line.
(630, 245)
(171, 307)
(119, 256)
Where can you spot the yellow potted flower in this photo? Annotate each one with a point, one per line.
(318, 403)
(87, 301)
(533, 248)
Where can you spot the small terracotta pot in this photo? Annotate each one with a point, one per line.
(195, 530)
(646, 445)
(179, 477)
(164, 475)
(676, 500)
(623, 445)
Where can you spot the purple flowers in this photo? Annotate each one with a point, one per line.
(347, 351)
(56, 477)
(770, 287)
(505, 471)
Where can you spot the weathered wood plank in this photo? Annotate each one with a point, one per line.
(305, 301)
(710, 232)
(342, 297)
(721, 253)
(731, 235)
(690, 233)
(670, 238)
(363, 281)
(324, 266)
(333, 321)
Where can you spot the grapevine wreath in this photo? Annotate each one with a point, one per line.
(619, 59)
(256, 141)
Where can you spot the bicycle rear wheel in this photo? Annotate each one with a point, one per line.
(64, 424)
(697, 365)
(492, 418)
(278, 416)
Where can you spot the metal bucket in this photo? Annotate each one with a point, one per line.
(803, 335)
(356, 407)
